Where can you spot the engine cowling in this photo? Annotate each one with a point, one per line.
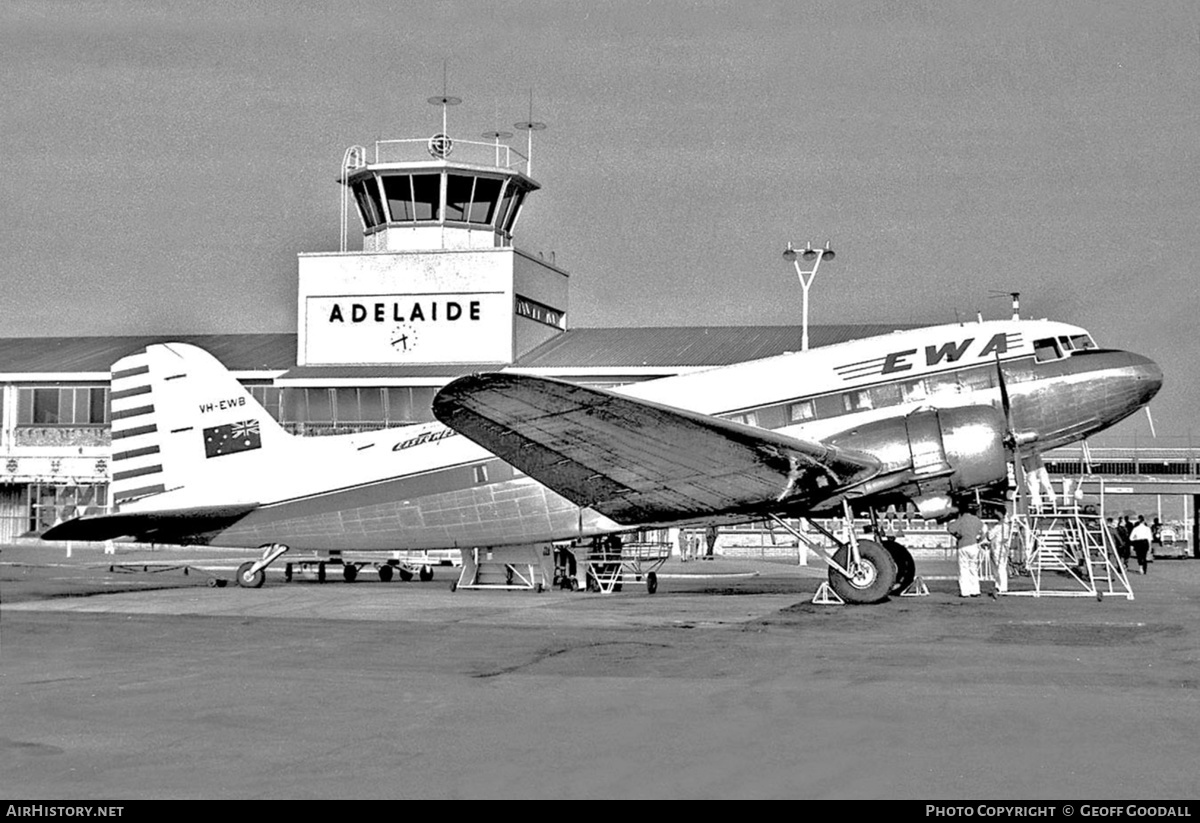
(932, 455)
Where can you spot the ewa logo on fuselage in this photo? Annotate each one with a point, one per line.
(222, 405)
(949, 352)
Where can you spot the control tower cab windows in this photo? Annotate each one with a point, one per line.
(398, 189)
(458, 196)
(366, 193)
(427, 196)
(483, 201)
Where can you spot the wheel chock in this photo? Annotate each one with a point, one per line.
(917, 588)
(826, 596)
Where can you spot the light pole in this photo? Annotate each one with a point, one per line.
(809, 255)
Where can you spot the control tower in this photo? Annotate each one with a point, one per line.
(438, 280)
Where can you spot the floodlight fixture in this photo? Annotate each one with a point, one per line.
(812, 257)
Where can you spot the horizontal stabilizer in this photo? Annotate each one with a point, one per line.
(165, 526)
(641, 462)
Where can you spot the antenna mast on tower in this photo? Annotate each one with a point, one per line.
(530, 126)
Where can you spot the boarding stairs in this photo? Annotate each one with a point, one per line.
(1072, 555)
(505, 567)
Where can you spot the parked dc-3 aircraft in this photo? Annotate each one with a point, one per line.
(918, 417)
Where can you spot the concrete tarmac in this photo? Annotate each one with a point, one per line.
(727, 683)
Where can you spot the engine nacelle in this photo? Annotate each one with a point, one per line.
(932, 455)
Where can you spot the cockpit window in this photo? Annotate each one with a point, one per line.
(1083, 342)
(1046, 350)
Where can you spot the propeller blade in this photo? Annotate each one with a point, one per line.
(1010, 435)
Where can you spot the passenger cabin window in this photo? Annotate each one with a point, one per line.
(1046, 350)
(799, 412)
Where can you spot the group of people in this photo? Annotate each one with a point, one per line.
(972, 537)
(693, 546)
(1135, 538)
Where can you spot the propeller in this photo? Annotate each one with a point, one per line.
(1011, 439)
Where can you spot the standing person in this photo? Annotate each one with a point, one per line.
(1139, 539)
(1155, 538)
(998, 538)
(1123, 529)
(968, 530)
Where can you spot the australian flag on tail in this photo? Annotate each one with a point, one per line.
(231, 438)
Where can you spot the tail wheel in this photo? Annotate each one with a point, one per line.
(870, 579)
(249, 579)
(906, 567)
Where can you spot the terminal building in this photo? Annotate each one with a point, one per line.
(437, 290)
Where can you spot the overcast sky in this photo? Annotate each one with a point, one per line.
(163, 164)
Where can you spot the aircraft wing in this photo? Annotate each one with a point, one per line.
(165, 526)
(641, 462)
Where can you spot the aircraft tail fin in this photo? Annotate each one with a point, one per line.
(183, 426)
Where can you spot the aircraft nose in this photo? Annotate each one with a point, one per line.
(1147, 374)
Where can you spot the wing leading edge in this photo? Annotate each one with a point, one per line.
(641, 462)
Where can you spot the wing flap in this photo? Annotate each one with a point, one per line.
(636, 461)
(164, 526)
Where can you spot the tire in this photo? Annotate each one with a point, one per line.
(426, 574)
(405, 574)
(906, 567)
(350, 572)
(876, 574)
(248, 579)
(385, 574)
(320, 572)
(651, 583)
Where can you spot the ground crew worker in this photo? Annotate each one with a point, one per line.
(968, 531)
(998, 538)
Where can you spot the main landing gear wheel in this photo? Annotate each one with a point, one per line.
(906, 567)
(250, 579)
(405, 574)
(871, 578)
(350, 572)
(426, 574)
(385, 573)
(651, 583)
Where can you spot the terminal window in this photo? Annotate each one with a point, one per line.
(59, 406)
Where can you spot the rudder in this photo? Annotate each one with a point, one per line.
(183, 425)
